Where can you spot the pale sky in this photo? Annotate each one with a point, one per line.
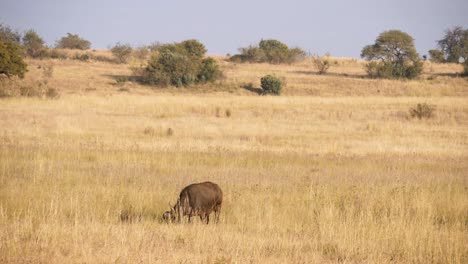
(337, 26)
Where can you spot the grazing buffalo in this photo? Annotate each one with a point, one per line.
(197, 199)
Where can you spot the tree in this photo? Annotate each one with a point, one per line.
(455, 44)
(72, 41)
(122, 52)
(393, 55)
(11, 60)
(437, 55)
(8, 34)
(34, 44)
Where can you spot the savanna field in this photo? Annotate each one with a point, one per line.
(334, 170)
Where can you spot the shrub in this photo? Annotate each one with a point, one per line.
(122, 52)
(321, 64)
(209, 71)
(422, 111)
(141, 53)
(271, 51)
(72, 41)
(249, 54)
(52, 93)
(9, 35)
(47, 70)
(275, 51)
(56, 54)
(393, 56)
(296, 54)
(82, 57)
(437, 56)
(271, 85)
(11, 60)
(34, 44)
(121, 80)
(154, 46)
(180, 64)
(8, 87)
(103, 58)
(149, 131)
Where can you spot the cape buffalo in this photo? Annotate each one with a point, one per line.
(197, 199)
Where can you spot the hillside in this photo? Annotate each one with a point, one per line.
(346, 77)
(334, 170)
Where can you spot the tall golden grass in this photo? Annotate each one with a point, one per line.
(318, 175)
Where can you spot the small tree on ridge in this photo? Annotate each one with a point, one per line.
(393, 55)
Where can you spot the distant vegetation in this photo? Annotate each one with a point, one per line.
(270, 51)
(181, 64)
(11, 60)
(452, 47)
(72, 41)
(423, 110)
(141, 53)
(392, 56)
(8, 34)
(455, 44)
(122, 52)
(321, 64)
(34, 44)
(437, 56)
(271, 85)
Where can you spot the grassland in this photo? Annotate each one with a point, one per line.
(335, 170)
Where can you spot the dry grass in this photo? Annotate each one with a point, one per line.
(335, 177)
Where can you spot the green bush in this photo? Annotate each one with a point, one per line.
(209, 71)
(249, 54)
(34, 44)
(275, 51)
(270, 51)
(181, 64)
(271, 85)
(122, 52)
(387, 70)
(11, 60)
(437, 56)
(72, 41)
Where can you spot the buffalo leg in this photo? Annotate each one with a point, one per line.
(217, 212)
